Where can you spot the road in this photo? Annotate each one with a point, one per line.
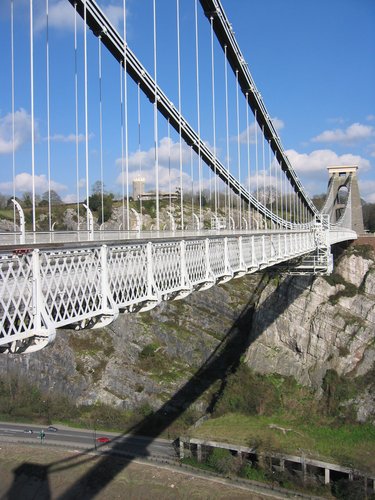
(137, 446)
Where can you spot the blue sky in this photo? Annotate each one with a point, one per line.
(313, 63)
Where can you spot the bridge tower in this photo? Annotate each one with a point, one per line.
(342, 183)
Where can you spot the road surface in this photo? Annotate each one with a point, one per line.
(136, 446)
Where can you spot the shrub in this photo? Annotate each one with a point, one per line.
(149, 351)
(350, 490)
(224, 462)
(252, 473)
(248, 393)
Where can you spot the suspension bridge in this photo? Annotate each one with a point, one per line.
(237, 209)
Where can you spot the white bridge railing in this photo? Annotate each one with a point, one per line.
(87, 286)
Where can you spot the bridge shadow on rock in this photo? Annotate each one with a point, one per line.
(223, 361)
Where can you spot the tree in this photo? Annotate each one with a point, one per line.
(55, 198)
(319, 200)
(27, 201)
(3, 201)
(97, 187)
(95, 204)
(267, 195)
(369, 216)
(10, 202)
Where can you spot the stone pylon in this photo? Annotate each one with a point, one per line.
(341, 177)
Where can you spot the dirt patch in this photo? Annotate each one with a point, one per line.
(28, 472)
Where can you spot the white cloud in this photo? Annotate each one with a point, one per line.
(23, 182)
(250, 131)
(169, 167)
(370, 118)
(164, 178)
(352, 134)
(168, 151)
(317, 161)
(22, 131)
(367, 190)
(337, 119)
(67, 138)
(116, 16)
(61, 16)
(70, 198)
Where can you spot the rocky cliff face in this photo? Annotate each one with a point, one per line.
(141, 358)
(304, 326)
(300, 326)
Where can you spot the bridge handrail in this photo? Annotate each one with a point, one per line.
(87, 284)
(84, 237)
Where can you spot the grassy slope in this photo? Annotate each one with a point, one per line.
(350, 445)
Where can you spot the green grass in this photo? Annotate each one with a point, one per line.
(349, 445)
(6, 214)
(160, 366)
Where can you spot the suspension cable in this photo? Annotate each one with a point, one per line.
(86, 118)
(13, 131)
(169, 165)
(256, 159)
(264, 173)
(198, 110)
(213, 111)
(126, 122)
(276, 184)
(287, 201)
(192, 180)
(248, 155)
(122, 149)
(32, 116)
(101, 127)
(76, 109)
(48, 121)
(179, 108)
(139, 144)
(156, 124)
(238, 149)
(229, 191)
(283, 200)
(298, 209)
(270, 178)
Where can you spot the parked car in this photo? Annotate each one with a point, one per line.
(28, 431)
(103, 439)
(51, 428)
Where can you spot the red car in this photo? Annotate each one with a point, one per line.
(103, 440)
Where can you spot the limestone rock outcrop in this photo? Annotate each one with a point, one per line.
(304, 326)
